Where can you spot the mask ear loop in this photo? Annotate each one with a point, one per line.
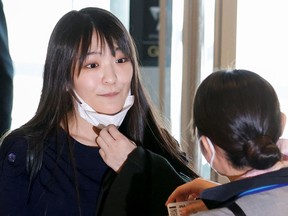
(212, 150)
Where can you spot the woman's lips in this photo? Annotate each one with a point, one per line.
(110, 94)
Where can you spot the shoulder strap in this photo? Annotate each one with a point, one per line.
(235, 208)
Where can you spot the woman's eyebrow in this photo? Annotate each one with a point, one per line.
(94, 53)
(100, 52)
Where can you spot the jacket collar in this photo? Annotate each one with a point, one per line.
(225, 194)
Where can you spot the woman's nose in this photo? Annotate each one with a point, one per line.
(109, 73)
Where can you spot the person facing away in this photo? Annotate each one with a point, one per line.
(6, 76)
(95, 145)
(238, 122)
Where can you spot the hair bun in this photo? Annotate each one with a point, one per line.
(262, 152)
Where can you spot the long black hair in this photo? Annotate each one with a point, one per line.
(239, 111)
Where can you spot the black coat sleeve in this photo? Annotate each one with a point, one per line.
(141, 188)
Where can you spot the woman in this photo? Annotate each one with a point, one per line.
(238, 121)
(94, 146)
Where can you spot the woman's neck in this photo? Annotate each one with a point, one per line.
(81, 130)
(279, 165)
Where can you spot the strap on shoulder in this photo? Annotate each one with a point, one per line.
(235, 208)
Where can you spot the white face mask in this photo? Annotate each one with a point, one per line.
(212, 150)
(103, 120)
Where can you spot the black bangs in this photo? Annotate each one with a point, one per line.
(109, 29)
(114, 38)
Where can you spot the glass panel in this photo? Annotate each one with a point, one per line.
(262, 43)
(176, 67)
(207, 60)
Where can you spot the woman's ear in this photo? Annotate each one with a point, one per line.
(283, 121)
(206, 148)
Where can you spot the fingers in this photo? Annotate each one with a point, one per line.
(108, 136)
(195, 206)
(102, 153)
(114, 147)
(114, 132)
(180, 194)
(190, 190)
(104, 139)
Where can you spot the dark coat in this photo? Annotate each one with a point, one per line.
(141, 188)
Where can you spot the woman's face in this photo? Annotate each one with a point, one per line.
(104, 80)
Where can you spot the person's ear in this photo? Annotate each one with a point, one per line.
(206, 149)
(283, 121)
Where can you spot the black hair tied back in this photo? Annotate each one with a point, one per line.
(262, 152)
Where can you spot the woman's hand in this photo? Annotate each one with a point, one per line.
(114, 147)
(191, 191)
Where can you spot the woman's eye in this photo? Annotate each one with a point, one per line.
(122, 60)
(92, 65)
